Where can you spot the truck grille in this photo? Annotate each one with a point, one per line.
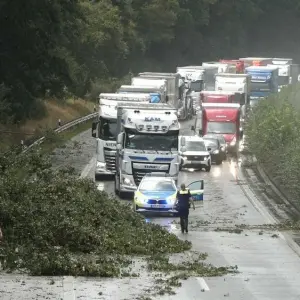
(139, 174)
(110, 159)
(195, 157)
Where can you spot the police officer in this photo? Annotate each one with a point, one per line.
(184, 198)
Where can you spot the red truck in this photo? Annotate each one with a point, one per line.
(219, 97)
(239, 64)
(223, 118)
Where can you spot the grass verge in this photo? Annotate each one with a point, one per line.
(66, 111)
(55, 140)
(273, 136)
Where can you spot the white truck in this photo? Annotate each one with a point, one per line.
(147, 141)
(256, 61)
(154, 91)
(237, 83)
(176, 92)
(194, 79)
(287, 71)
(104, 130)
(222, 67)
(210, 71)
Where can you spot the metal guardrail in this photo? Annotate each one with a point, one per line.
(63, 128)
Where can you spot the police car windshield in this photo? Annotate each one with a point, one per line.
(157, 186)
(195, 146)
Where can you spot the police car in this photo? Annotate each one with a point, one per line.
(157, 193)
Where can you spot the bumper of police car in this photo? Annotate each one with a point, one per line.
(150, 204)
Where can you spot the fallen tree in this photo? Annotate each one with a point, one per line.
(54, 223)
(273, 136)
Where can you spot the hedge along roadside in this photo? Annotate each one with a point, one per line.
(273, 136)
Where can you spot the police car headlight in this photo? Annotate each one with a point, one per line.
(127, 181)
(171, 199)
(140, 198)
(101, 165)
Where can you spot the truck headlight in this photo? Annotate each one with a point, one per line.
(233, 142)
(101, 165)
(127, 181)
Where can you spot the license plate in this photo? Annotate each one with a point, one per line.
(196, 161)
(157, 206)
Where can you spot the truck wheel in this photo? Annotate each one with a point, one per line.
(207, 168)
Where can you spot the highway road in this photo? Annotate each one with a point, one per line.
(268, 261)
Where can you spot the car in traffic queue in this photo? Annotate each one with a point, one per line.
(157, 193)
(214, 147)
(194, 153)
(221, 140)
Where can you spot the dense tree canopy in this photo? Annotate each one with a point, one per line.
(50, 47)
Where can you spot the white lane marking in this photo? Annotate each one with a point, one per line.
(203, 284)
(100, 186)
(256, 201)
(85, 172)
(68, 288)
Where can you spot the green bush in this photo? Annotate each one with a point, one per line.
(56, 224)
(273, 136)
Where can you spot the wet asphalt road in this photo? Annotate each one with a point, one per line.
(269, 268)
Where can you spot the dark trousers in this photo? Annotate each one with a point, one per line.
(183, 213)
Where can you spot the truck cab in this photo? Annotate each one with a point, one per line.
(104, 130)
(264, 81)
(287, 71)
(157, 93)
(194, 79)
(222, 67)
(219, 97)
(236, 83)
(255, 61)
(223, 118)
(239, 64)
(176, 91)
(147, 141)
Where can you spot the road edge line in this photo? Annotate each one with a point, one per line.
(68, 288)
(203, 284)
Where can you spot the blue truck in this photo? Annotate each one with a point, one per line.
(264, 81)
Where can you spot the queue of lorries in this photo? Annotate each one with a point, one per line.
(137, 130)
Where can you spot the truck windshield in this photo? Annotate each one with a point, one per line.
(283, 80)
(221, 127)
(197, 86)
(107, 129)
(261, 86)
(148, 141)
(195, 146)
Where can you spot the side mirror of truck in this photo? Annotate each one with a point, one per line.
(182, 142)
(94, 127)
(120, 138)
(183, 149)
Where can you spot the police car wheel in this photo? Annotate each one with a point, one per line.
(207, 169)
